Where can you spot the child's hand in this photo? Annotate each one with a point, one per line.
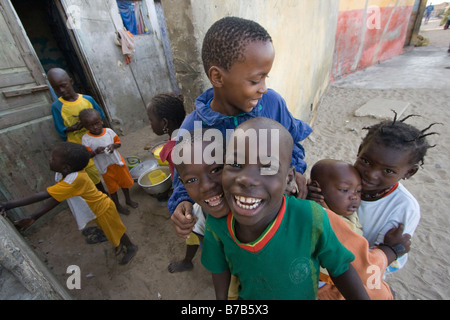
(3, 208)
(77, 126)
(315, 193)
(24, 223)
(183, 219)
(100, 150)
(302, 189)
(395, 237)
(110, 148)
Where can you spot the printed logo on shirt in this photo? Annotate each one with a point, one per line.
(299, 270)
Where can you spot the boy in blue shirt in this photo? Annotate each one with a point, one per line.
(237, 56)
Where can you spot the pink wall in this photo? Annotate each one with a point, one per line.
(364, 39)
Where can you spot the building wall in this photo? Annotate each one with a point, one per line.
(302, 32)
(369, 31)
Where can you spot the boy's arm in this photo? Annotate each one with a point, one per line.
(26, 222)
(221, 283)
(40, 196)
(395, 243)
(350, 286)
(58, 121)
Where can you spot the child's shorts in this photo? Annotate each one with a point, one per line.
(117, 177)
(193, 240)
(111, 224)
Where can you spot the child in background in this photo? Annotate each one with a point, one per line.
(265, 225)
(341, 189)
(166, 114)
(391, 151)
(65, 114)
(237, 56)
(68, 160)
(102, 144)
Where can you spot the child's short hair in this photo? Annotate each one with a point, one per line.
(397, 134)
(168, 105)
(86, 113)
(189, 140)
(226, 39)
(75, 155)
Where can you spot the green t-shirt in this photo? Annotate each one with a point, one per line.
(283, 263)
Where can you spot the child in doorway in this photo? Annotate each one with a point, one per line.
(264, 225)
(87, 203)
(237, 56)
(391, 151)
(65, 114)
(341, 189)
(166, 114)
(102, 144)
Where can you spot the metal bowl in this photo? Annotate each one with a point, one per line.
(142, 167)
(159, 188)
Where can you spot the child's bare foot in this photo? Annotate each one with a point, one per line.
(180, 266)
(132, 204)
(123, 210)
(130, 253)
(118, 249)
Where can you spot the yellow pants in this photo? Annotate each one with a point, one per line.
(92, 172)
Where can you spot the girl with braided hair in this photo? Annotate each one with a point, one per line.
(391, 151)
(166, 114)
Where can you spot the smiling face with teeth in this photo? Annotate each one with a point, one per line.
(254, 198)
(203, 183)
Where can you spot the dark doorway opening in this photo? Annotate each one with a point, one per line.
(46, 28)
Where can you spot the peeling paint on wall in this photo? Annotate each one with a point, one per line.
(369, 32)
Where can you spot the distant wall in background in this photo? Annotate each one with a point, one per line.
(369, 31)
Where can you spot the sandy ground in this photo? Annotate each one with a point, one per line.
(419, 77)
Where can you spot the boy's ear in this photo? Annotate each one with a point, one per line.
(165, 121)
(412, 171)
(290, 175)
(215, 75)
(291, 184)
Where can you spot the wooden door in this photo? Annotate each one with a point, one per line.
(27, 134)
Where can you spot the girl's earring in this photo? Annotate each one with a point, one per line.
(165, 130)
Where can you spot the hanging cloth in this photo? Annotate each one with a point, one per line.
(125, 40)
(126, 9)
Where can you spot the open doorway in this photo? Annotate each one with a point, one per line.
(48, 33)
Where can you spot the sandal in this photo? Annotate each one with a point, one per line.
(96, 237)
(89, 230)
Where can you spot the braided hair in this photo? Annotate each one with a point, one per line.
(399, 135)
(168, 105)
(225, 41)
